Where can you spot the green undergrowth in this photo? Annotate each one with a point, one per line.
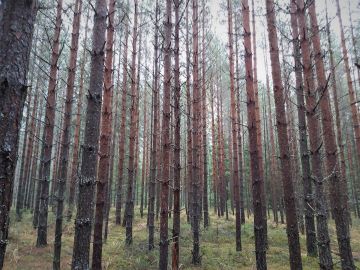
(217, 246)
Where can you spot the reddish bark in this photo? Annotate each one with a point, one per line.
(352, 95)
(155, 125)
(65, 139)
(273, 163)
(304, 151)
(105, 141)
(165, 140)
(133, 130)
(75, 154)
(177, 138)
(241, 170)
(258, 119)
(337, 118)
(257, 176)
(122, 133)
(289, 198)
(144, 154)
(204, 118)
(188, 118)
(234, 131)
(49, 132)
(338, 206)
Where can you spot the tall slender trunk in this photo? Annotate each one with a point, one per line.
(41, 240)
(215, 167)
(315, 143)
(196, 129)
(257, 177)
(65, 139)
(24, 158)
(354, 44)
(352, 95)
(132, 136)
(258, 121)
(304, 151)
(337, 202)
(88, 171)
(165, 140)
(25, 149)
(109, 192)
(189, 119)
(177, 138)
(234, 130)
(352, 174)
(155, 124)
(144, 154)
(75, 154)
(337, 116)
(35, 164)
(122, 131)
(238, 109)
(29, 155)
(105, 140)
(204, 119)
(289, 197)
(273, 163)
(32, 148)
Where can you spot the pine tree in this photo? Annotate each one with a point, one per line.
(88, 170)
(17, 20)
(283, 138)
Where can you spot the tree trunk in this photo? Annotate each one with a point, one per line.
(32, 149)
(165, 140)
(273, 163)
(75, 154)
(352, 96)
(337, 202)
(122, 131)
(65, 139)
(204, 118)
(177, 138)
(105, 141)
(132, 136)
(241, 170)
(144, 153)
(215, 156)
(17, 26)
(304, 151)
(289, 198)
(155, 123)
(258, 122)
(41, 240)
(88, 171)
(24, 159)
(189, 143)
(196, 149)
(34, 166)
(337, 119)
(257, 177)
(234, 130)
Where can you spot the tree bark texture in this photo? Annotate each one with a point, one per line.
(88, 171)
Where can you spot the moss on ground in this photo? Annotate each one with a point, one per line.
(217, 246)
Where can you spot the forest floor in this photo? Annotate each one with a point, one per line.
(217, 246)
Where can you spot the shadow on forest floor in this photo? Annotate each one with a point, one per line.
(217, 246)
